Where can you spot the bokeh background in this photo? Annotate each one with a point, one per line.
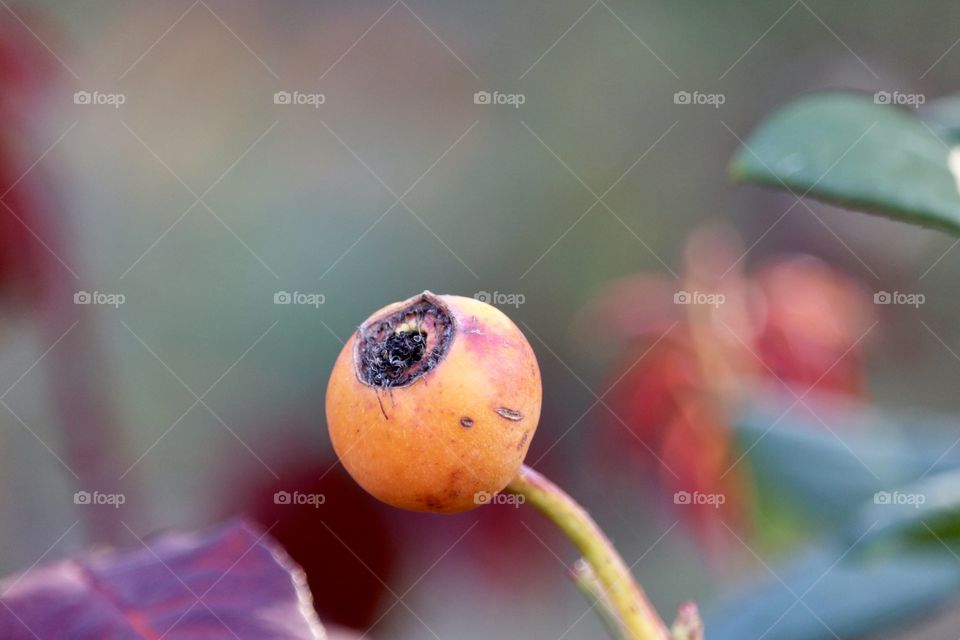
(200, 197)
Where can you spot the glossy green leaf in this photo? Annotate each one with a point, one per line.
(845, 149)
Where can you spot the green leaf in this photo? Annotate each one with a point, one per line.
(834, 591)
(842, 148)
(943, 116)
(885, 562)
(828, 475)
(923, 512)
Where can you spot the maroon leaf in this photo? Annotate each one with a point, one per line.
(229, 583)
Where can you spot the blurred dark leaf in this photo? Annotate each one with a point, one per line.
(836, 592)
(347, 547)
(926, 511)
(845, 149)
(943, 116)
(831, 458)
(226, 583)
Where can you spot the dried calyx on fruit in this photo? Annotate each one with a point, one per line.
(396, 350)
(433, 402)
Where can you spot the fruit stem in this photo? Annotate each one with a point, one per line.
(586, 581)
(627, 600)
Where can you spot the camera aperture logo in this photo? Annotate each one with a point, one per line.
(501, 299)
(699, 297)
(485, 497)
(299, 499)
(99, 298)
(714, 100)
(896, 498)
(899, 98)
(898, 297)
(98, 98)
(299, 298)
(510, 99)
(299, 98)
(714, 500)
(96, 498)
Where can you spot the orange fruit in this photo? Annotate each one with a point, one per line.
(433, 401)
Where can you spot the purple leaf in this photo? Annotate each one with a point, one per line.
(229, 583)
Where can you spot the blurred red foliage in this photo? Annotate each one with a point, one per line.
(794, 323)
(26, 71)
(347, 546)
(810, 328)
(351, 546)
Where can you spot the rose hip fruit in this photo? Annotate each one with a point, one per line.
(433, 402)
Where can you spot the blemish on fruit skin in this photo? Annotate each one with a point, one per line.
(481, 342)
(441, 500)
(473, 327)
(509, 414)
(432, 502)
(453, 489)
(466, 421)
(382, 410)
(523, 440)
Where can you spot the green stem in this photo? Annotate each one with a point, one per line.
(634, 612)
(586, 581)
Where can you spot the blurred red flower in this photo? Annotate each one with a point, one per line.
(690, 348)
